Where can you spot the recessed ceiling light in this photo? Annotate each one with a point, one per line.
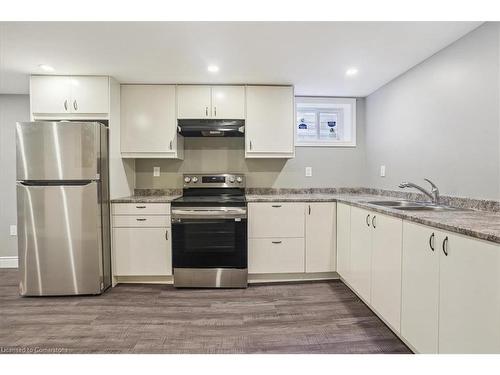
(213, 68)
(351, 72)
(46, 68)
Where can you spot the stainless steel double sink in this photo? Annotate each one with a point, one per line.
(413, 206)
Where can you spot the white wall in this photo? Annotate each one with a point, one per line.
(441, 120)
(332, 167)
(13, 108)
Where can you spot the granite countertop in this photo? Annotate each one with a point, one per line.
(146, 199)
(479, 224)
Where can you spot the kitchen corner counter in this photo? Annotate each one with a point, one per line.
(146, 199)
(483, 225)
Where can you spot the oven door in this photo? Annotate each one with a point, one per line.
(209, 238)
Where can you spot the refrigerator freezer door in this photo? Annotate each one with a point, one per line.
(57, 150)
(59, 237)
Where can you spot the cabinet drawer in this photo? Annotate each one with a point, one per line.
(141, 221)
(141, 252)
(276, 255)
(275, 219)
(141, 208)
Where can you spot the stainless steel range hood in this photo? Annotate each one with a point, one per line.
(211, 128)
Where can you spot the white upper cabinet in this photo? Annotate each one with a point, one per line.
(148, 122)
(320, 237)
(194, 102)
(89, 94)
(469, 295)
(228, 102)
(50, 94)
(74, 95)
(270, 122)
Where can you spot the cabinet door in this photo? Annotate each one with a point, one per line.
(469, 295)
(361, 252)
(420, 287)
(387, 237)
(148, 121)
(270, 122)
(142, 252)
(275, 255)
(50, 94)
(89, 94)
(320, 237)
(344, 240)
(193, 102)
(228, 102)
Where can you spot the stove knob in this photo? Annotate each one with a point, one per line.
(187, 179)
(231, 180)
(195, 179)
(239, 179)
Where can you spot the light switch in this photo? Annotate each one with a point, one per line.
(382, 171)
(156, 171)
(309, 171)
(13, 230)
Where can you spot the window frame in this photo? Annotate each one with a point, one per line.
(332, 102)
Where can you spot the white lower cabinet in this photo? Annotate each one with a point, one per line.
(387, 233)
(450, 292)
(344, 241)
(276, 255)
(142, 251)
(291, 237)
(361, 252)
(320, 237)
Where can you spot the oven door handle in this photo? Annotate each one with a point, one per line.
(209, 213)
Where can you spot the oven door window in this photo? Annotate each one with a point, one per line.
(209, 243)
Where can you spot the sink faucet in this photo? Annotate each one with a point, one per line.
(433, 194)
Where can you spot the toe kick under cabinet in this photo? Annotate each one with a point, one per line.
(289, 237)
(141, 239)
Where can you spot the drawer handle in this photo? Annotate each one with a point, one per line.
(276, 205)
(140, 206)
(141, 219)
(276, 242)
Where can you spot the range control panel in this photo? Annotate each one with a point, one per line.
(229, 180)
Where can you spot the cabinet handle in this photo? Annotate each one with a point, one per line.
(431, 241)
(215, 111)
(276, 242)
(250, 145)
(309, 209)
(66, 105)
(206, 111)
(166, 234)
(445, 246)
(170, 145)
(141, 219)
(373, 222)
(75, 105)
(140, 206)
(276, 205)
(368, 219)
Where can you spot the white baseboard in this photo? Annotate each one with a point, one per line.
(8, 262)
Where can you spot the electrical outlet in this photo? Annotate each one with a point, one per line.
(309, 171)
(156, 171)
(382, 171)
(13, 230)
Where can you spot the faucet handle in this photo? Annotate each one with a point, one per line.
(434, 187)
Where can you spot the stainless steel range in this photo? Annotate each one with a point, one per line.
(209, 232)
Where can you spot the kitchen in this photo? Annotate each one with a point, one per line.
(143, 206)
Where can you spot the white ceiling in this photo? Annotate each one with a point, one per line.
(311, 55)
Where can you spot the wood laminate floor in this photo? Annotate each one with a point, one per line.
(316, 317)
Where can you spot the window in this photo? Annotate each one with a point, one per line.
(326, 121)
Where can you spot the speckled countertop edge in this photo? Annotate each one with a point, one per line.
(483, 225)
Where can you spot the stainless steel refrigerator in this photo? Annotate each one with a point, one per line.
(63, 208)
